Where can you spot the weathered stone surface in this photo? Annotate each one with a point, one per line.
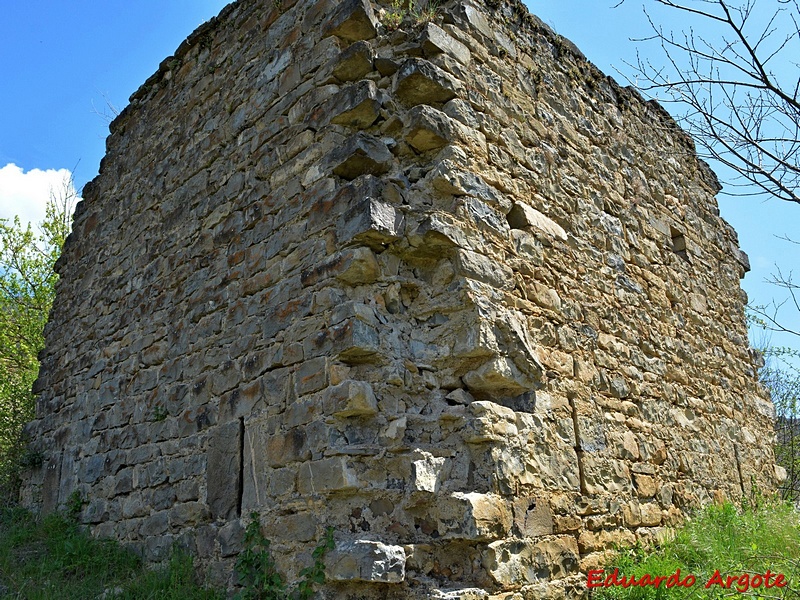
(361, 154)
(522, 216)
(427, 474)
(222, 471)
(350, 399)
(418, 81)
(428, 128)
(354, 63)
(356, 105)
(435, 40)
(499, 376)
(523, 561)
(365, 560)
(439, 290)
(327, 475)
(352, 20)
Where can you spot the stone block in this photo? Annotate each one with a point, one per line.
(440, 234)
(490, 422)
(357, 105)
(603, 475)
(354, 62)
(517, 562)
(51, 484)
(365, 560)
(499, 377)
(419, 81)
(481, 268)
(222, 469)
(353, 20)
(361, 154)
(350, 399)
(371, 222)
(326, 476)
(472, 516)
(311, 376)
(448, 178)
(358, 266)
(435, 40)
(283, 448)
(532, 517)
(523, 216)
(645, 485)
(427, 474)
(428, 128)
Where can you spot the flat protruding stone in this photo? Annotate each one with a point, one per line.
(428, 128)
(350, 399)
(358, 266)
(436, 40)
(357, 105)
(354, 62)
(353, 20)
(362, 154)
(490, 422)
(419, 81)
(499, 376)
(473, 516)
(523, 216)
(371, 222)
(365, 560)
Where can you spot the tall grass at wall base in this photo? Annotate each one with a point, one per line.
(762, 536)
(55, 559)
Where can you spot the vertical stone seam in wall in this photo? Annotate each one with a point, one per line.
(578, 449)
(240, 491)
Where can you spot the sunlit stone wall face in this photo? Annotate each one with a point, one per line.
(445, 288)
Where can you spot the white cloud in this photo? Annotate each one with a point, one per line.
(25, 194)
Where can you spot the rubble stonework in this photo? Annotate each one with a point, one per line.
(447, 289)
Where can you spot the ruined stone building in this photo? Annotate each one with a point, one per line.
(432, 280)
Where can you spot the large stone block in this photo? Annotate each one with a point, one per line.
(361, 154)
(326, 476)
(436, 40)
(223, 469)
(472, 516)
(371, 222)
(350, 399)
(515, 562)
(352, 20)
(419, 81)
(499, 377)
(354, 62)
(357, 105)
(365, 560)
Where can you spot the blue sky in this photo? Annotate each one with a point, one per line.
(63, 62)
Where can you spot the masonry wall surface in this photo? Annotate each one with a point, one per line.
(445, 288)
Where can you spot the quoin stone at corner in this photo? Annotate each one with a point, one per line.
(440, 285)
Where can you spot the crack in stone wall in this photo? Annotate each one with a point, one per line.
(447, 289)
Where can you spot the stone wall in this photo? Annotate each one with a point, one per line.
(446, 288)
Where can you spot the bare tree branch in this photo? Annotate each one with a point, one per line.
(736, 86)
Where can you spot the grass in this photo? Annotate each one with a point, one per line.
(719, 543)
(54, 558)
